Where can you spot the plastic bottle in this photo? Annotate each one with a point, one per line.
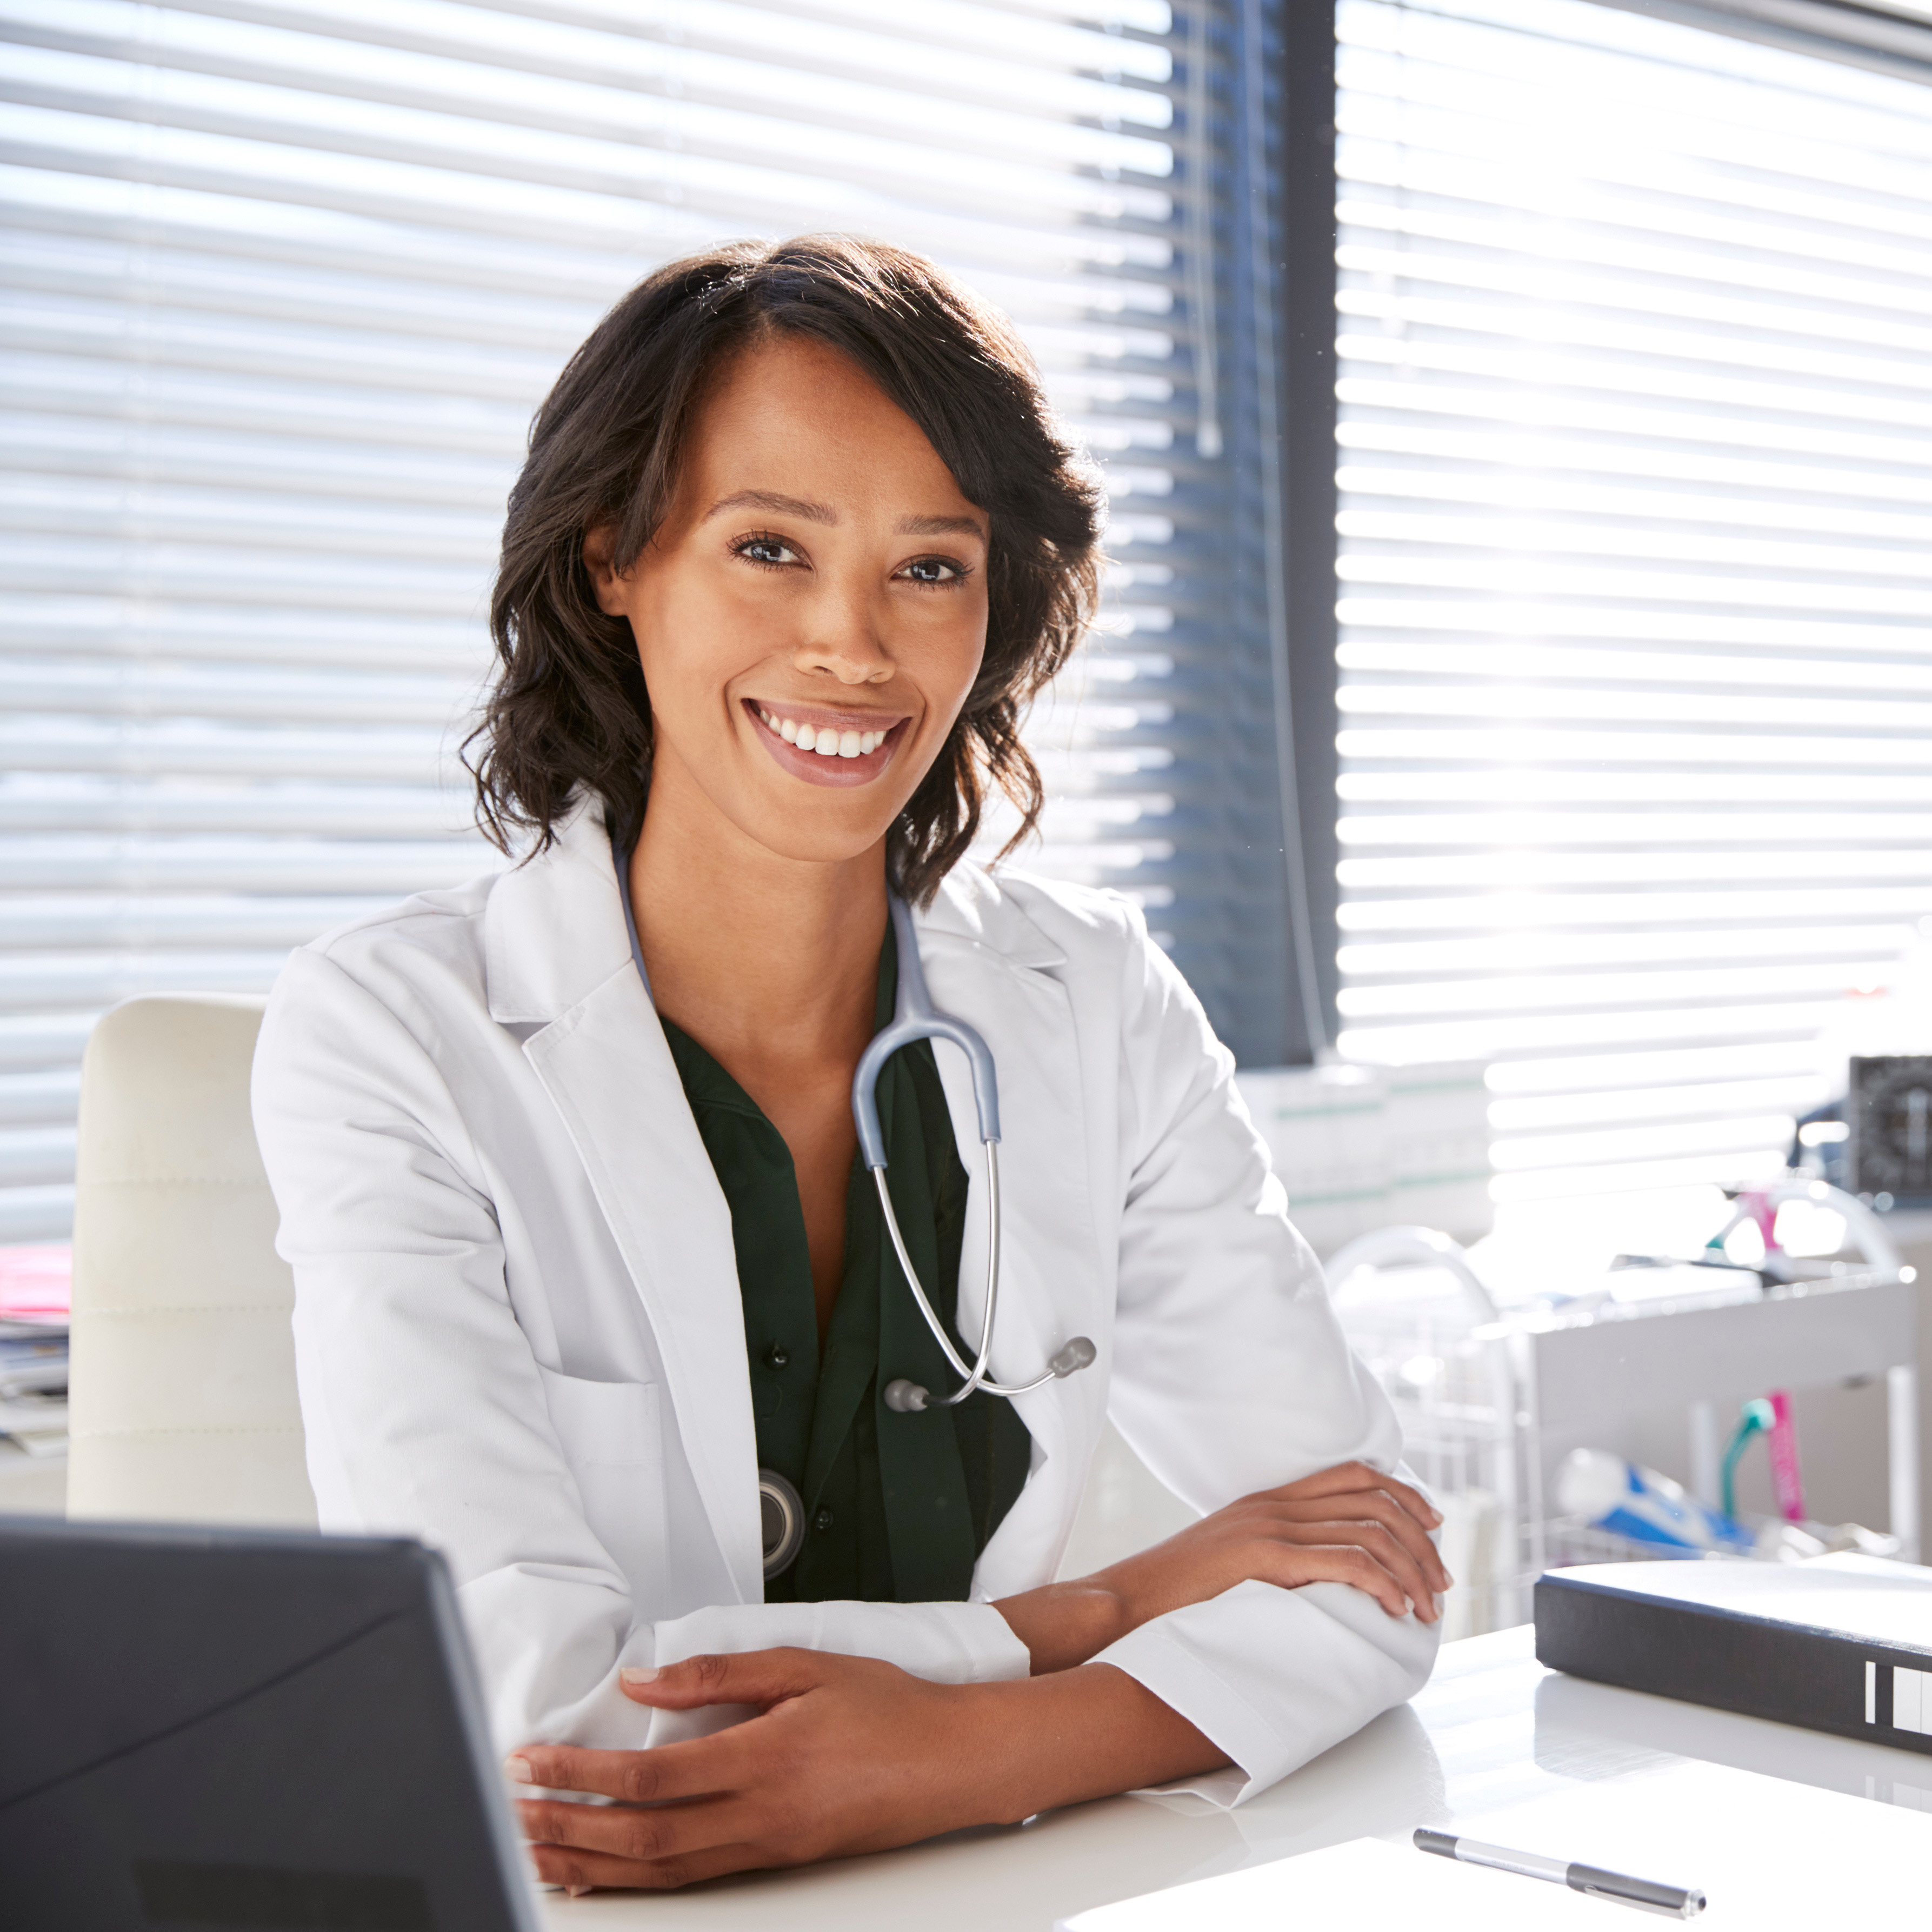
(1613, 1494)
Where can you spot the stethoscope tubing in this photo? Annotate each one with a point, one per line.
(915, 1018)
(976, 1376)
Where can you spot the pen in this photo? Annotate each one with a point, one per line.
(1679, 1901)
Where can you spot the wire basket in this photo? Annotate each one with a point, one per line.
(1422, 1321)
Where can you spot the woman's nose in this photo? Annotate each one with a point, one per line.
(842, 637)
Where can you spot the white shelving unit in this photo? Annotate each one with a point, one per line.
(1491, 1401)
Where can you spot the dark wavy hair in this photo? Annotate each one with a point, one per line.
(568, 708)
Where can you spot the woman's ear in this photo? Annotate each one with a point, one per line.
(612, 586)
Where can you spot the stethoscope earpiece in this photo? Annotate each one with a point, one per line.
(904, 1397)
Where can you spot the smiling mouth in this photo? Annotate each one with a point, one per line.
(827, 747)
(831, 739)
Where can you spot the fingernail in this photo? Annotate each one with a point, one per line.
(519, 1768)
(1448, 1582)
(1435, 1519)
(576, 1890)
(634, 1674)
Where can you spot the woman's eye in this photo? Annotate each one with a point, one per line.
(933, 570)
(767, 549)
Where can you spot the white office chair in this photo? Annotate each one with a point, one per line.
(183, 1404)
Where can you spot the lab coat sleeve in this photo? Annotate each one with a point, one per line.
(423, 1403)
(1230, 1375)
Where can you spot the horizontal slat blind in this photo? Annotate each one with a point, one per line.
(284, 279)
(1636, 369)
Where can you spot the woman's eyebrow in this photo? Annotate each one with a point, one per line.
(770, 500)
(941, 527)
(823, 513)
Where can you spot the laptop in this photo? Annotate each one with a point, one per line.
(247, 1730)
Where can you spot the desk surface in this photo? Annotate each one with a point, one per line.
(1493, 1728)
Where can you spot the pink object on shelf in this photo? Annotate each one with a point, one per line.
(1757, 1201)
(36, 1283)
(1786, 1481)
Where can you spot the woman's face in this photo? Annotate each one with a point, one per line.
(811, 613)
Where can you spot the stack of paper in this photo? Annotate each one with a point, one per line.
(33, 1295)
(1768, 1855)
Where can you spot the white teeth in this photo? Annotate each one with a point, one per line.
(823, 739)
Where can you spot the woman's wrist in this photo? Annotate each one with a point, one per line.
(1089, 1732)
(1064, 1625)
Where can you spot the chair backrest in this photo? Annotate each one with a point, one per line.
(182, 1405)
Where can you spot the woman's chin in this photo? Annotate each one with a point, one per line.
(821, 837)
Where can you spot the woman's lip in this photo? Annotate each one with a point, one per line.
(815, 769)
(855, 719)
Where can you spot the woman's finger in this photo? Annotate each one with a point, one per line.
(696, 1767)
(1292, 1565)
(639, 1833)
(1416, 1585)
(578, 1870)
(1347, 1476)
(762, 1677)
(1371, 1506)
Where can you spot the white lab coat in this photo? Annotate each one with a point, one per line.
(519, 1335)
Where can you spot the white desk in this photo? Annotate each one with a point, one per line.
(1493, 1728)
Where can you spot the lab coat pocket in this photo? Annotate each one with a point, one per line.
(610, 1432)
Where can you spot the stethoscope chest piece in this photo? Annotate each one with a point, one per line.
(781, 1521)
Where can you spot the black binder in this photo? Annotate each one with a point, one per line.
(1841, 1644)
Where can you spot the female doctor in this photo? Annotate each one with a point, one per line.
(582, 1248)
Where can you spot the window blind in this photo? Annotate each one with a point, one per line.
(283, 281)
(1636, 667)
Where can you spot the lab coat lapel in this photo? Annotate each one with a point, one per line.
(993, 968)
(559, 939)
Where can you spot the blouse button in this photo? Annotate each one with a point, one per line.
(777, 1356)
(823, 1520)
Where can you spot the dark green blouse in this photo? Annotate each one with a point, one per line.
(898, 1507)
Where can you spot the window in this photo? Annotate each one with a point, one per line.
(283, 286)
(1636, 659)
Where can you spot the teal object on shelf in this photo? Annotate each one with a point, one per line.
(1755, 1419)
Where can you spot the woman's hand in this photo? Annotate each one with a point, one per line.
(1351, 1524)
(847, 1755)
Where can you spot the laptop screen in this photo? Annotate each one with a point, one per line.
(216, 1727)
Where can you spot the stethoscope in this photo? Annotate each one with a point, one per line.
(781, 1508)
(915, 1018)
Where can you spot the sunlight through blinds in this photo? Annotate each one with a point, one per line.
(1636, 377)
(284, 281)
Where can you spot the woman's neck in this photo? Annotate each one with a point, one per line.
(769, 963)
